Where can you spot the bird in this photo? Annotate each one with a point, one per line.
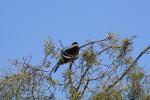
(68, 55)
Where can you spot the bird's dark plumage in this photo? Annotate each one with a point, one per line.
(68, 55)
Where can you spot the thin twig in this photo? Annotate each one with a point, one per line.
(61, 44)
(85, 87)
(129, 68)
(82, 77)
(93, 42)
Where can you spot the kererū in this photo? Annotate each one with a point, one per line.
(68, 55)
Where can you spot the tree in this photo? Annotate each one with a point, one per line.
(105, 69)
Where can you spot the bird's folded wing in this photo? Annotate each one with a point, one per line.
(65, 53)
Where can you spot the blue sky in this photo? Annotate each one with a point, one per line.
(25, 24)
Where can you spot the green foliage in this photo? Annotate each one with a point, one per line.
(102, 65)
(75, 94)
(146, 97)
(114, 95)
(136, 90)
(49, 48)
(90, 57)
(15, 85)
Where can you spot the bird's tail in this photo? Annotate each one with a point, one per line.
(56, 67)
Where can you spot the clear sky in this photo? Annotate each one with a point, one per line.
(25, 24)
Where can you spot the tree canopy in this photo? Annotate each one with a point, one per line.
(105, 70)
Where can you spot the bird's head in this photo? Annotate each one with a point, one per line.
(75, 44)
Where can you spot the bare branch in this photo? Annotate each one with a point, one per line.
(93, 42)
(85, 87)
(129, 68)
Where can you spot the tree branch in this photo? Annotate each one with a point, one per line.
(129, 68)
(82, 77)
(85, 87)
(93, 42)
